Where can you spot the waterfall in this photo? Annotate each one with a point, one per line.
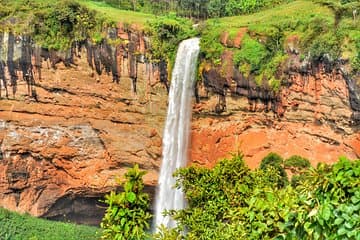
(176, 132)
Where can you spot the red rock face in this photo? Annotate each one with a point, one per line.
(62, 153)
(313, 119)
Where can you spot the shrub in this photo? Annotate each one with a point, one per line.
(275, 161)
(297, 165)
(233, 202)
(166, 33)
(252, 52)
(297, 162)
(127, 216)
(229, 202)
(210, 46)
(329, 203)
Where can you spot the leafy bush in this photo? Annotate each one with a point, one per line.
(53, 25)
(272, 159)
(252, 52)
(127, 216)
(297, 162)
(227, 202)
(297, 165)
(329, 203)
(210, 46)
(166, 32)
(233, 202)
(325, 45)
(15, 226)
(65, 23)
(275, 161)
(355, 58)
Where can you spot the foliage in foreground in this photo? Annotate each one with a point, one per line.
(233, 202)
(14, 226)
(128, 214)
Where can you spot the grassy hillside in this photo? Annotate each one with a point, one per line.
(297, 10)
(14, 226)
(118, 15)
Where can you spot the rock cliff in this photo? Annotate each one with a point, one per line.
(74, 121)
(314, 113)
(70, 132)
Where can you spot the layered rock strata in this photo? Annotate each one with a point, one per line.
(65, 143)
(314, 113)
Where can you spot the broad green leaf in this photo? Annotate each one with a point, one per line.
(326, 213)
(338, 221)
(131, 197)
(342, 231)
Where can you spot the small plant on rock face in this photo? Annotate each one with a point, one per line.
(128, 215)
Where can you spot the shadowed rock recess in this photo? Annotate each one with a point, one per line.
(73, 121)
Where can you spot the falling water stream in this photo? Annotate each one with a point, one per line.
(176, 132)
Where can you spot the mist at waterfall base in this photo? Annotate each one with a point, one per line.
(176, 132)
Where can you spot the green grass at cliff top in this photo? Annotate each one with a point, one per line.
(281, 13)
(118, 15)
(14, 226)
(293, 11)
(296, 10)
(285, 12)
(109, 12)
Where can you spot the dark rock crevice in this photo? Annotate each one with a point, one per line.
(78, 208)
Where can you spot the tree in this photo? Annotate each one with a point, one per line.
(216, 8)
(275, 161)
(128, 214)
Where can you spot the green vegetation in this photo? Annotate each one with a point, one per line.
(166, 33)
(252, 53)
(118, 15)
(58, 24)
(53, 25)
(128, 214)
(231, 201)
(329, 203)
(275, 162)
(323, 30)
(316, 30)
(15, 226)
(297, 162)
(199, 9)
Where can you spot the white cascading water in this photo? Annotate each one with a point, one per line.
(176, 132)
